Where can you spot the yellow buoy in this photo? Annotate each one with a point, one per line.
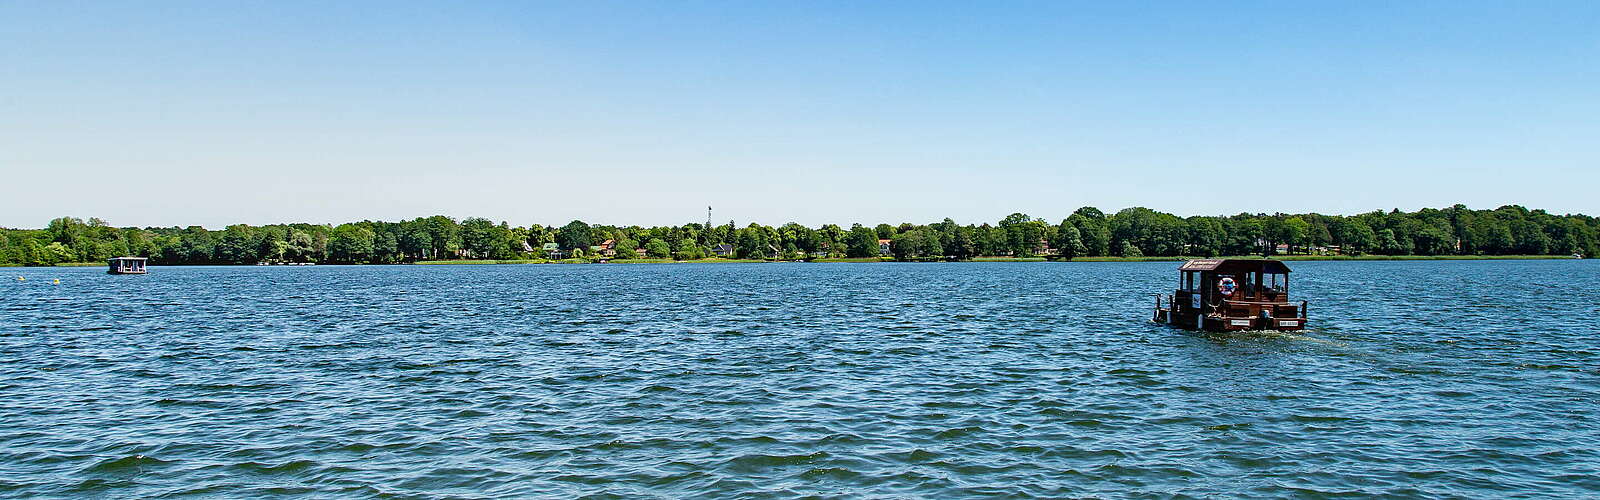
(19, 278)
(56, 282)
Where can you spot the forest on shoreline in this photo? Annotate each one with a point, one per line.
(1087, 232)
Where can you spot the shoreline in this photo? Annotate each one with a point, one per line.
(859, 260)
(1300, 258)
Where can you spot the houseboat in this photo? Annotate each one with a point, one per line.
(125, 265)
(1221, 295)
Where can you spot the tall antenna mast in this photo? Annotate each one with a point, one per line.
(708, 217)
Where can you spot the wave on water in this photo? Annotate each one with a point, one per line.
(844, 380)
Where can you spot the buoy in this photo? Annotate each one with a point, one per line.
(19, 278)
(56, 282)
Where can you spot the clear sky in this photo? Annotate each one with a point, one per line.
(637, 112)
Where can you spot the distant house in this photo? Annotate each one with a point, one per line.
(526, 248)
(884, 248)
(607, 248)
(821, 251)
(773, 252)
(723, 250)
(552, 250)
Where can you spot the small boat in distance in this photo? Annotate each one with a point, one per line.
(125, 265)
(1221, 295)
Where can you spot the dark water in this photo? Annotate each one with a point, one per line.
(1428, 379)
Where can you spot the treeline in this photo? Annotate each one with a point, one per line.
(1508, 230)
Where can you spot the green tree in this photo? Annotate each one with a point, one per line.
(56, 253)
(195, 245)
(987, 240)
(1294, 232)
(861, 242)
(351, 244)
(385, 248)
(445, 235)
(238, 245)
(884, 231)
(1388, 243)
(960, 244)
(301, 248)
(1206, 236)
(832, 237)
(478, 237)
(689, 250)
(1130, 250)
(658, 249)
(1019, 234)
(1431, 237)
(1152, 232)
(416, 243)
(1345, 234)
(916, 243)
(1497, 238)
(71, 233)
(1091, 224)
(625, 249)
(576, 235)
(752, 243)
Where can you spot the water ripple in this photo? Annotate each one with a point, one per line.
(1470, 379)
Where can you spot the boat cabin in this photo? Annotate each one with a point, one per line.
(125, 265)
(1232, 294)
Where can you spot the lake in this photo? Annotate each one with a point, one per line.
(1416, 379)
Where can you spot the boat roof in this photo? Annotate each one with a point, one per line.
(128, 258)
(1236, 265)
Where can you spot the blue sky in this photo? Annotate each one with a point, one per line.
(815, 112)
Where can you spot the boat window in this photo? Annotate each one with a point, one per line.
(1276, 282)
(1255, 284)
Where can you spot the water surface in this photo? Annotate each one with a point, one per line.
(1423, 379)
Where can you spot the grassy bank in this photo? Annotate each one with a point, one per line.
(975, 259)
(1330, 257)
(695, 261)
(580, 261)
(1424, 257)
(477, 262)
(984, 259)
